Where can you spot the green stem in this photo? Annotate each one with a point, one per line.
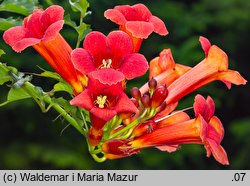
(131, 125)
(79, 35)
(30, 88)
(97, 159)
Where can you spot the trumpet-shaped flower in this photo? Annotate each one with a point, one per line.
(112, 51)
(213, 67)
(41, 30)
(205, 129)
(104, 97)
(164, 69)
(137, 21)
(182, 80)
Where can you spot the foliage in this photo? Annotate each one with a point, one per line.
(224, 22)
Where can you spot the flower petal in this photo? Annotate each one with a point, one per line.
(51, 15)
(175, 117)
(159, 26)
(24, 43)
(120, 45)
(140, 12)
(104, 114)
(82, 60)
(115, 16)
(217, 125)
(204, 107)
(106, 82)
(218, 152)
(107, 76)
(52, 31)
(95, 44)
(34, 26)
(83, 100)
(140, 29)
(205, 44)
(168, 148)
(125, 105)
(14, 35)
(134, 65)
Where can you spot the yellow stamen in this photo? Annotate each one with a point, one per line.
(106, 63)
(101, 101)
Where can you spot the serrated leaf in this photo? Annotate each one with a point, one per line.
(15, 95)
(63, 86)
(5, 24)
(79, 6)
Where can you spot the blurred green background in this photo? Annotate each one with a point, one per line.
(30, 139)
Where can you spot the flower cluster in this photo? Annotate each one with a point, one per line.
(98, 72)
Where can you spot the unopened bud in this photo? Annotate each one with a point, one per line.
(135, 93)
(116, 147)
(144, 128)
(94, 136)
(159, 95)
(135, 102)
(161, 107)
(146, 101)
(152, 84)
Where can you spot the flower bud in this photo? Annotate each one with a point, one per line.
(114, 149)
(144, 128)
(152, 84)
(135, 93)
(161, 107)
(146, 100)
(159, 95)
(135, 102)
(94, 136)
(115, 146)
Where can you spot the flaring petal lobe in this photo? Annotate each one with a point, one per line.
(83, 100)
(140, 29)
(205, 44)
(125, 105)
(95, 44)
(134, 65)
(51, 15)
(14, 35)
(120, 45)
(159, 26)
(115, 16)
(52, 31)
(82, 60)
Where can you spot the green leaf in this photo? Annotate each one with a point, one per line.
(15, 95)
(5, 24)
(4, 72)
(79, 6)
(23, 7)
(63, 86)
(1, 52)
(52, 75)
(83, 30)
(69, 22)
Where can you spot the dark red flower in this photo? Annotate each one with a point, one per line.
(113, 51)
(104, 97)
(137, 21)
